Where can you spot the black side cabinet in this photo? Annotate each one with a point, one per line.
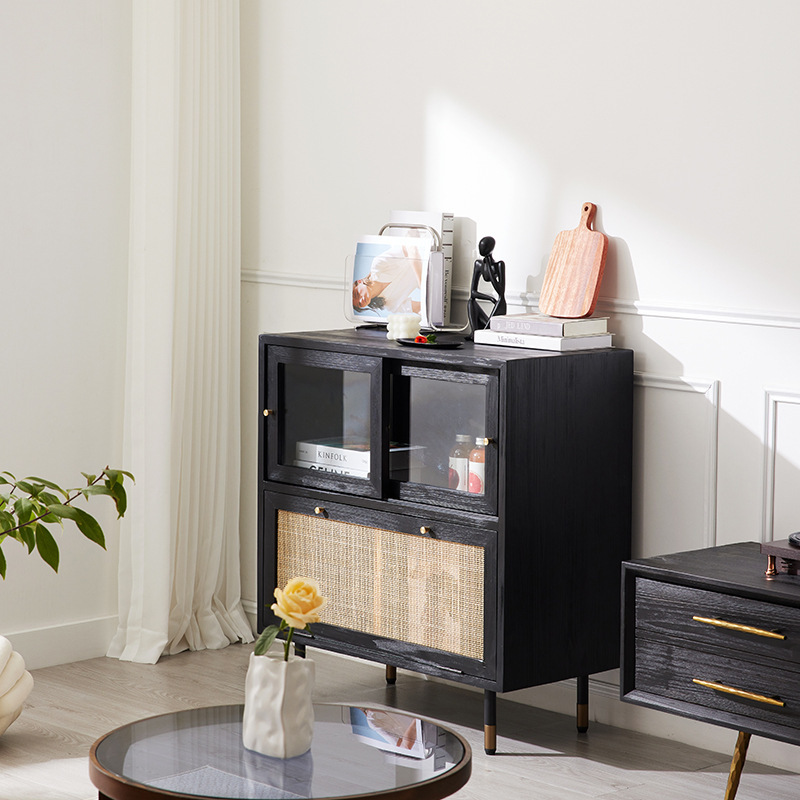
(505, 579)
(714, 635)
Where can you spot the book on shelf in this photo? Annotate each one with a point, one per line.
(334, 452)
(351, 455)
(333, 469)
(545, 325)
(533, 341)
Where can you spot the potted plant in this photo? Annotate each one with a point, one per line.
(28, 507)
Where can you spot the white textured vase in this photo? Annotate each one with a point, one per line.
(278, 715)
(15, 684)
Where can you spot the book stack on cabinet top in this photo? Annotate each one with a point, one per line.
(543, 332)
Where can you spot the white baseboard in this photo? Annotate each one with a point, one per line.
(63, 644)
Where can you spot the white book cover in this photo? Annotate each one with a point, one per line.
(549, 326)
(534, 342)
(334, 453)
(333, 469)
(351, 455)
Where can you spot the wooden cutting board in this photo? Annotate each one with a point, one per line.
(575, 269)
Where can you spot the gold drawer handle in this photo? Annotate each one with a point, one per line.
(425, 530)
(732, 626)
(721, 687)
(319, 510)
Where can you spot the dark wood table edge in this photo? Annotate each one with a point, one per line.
(114, 787)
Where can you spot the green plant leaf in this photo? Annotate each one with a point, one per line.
(13, 478)
(7, 521)
(2, 564)
(86, 523)
(24, 509)
(47, 498)
(27, 537)
(120, 499)
(112, 476)
(264, 642)
(50, 485)
(99, 488)
(32, 489)
(47, 547)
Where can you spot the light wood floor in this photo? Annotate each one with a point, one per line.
(43, 755)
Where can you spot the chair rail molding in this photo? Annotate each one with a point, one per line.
(773, 398)
(529, 301)
(298, 280)
(711, 389)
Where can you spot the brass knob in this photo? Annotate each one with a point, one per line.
(319, 510)
(268, 411)
(424, 530)
(486, 441)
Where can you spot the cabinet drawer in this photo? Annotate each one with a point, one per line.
(671, 671)
(395, 582)
(699, 617)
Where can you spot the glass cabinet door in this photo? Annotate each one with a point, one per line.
(444, 436)
(322, 413)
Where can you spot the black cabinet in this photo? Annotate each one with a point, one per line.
(708, 635)
(506, 582)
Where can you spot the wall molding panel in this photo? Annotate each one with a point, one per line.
(710, 388)
(297, 280)
(772, 400)
(529, 300)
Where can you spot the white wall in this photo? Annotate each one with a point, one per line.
(679, 120)
(64, 162)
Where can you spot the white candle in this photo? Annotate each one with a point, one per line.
(403, 326)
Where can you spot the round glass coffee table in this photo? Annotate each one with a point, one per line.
(356, 752)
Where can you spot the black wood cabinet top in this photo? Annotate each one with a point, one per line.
(734, 568)
(373, 341)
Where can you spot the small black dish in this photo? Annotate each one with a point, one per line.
(794, 539)
(442, 342)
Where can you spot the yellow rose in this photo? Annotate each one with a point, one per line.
(299, 603)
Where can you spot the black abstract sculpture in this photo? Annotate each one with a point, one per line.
(494, 272)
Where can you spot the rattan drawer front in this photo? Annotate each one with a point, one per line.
(711, 618)
(429, 592)
(711, 680)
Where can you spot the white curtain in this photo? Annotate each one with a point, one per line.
(179, 556)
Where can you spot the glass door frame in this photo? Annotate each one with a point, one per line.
(485, 503)
(277, 358)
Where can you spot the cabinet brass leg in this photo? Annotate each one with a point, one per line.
(489, 723)
(737, 764)
(391, 675)
(582, 710)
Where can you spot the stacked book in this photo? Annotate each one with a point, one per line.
(342, 457)
(541, 332)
